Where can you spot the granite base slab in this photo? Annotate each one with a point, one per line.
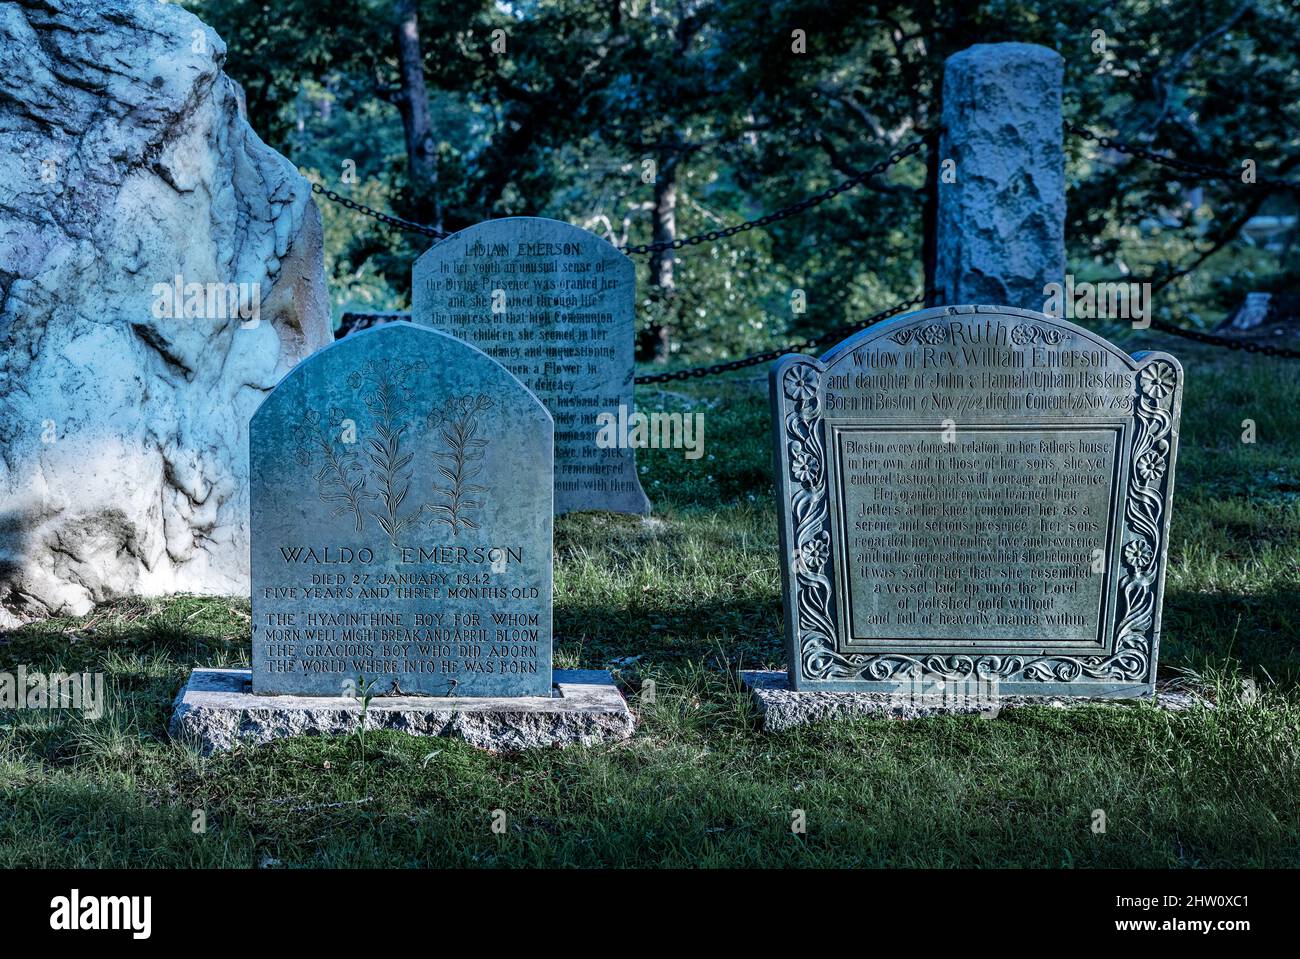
(217, 711)
(781, 707)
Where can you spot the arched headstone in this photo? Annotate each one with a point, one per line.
(401, 523)
(975, 495)
(555, 305)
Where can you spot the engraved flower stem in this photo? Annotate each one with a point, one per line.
(385, 454)
(348, 492)
(460, 435)
(457, 457)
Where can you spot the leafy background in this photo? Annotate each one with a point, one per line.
(561, 123)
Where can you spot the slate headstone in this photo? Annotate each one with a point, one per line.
(975, 494)
(555, 305)
(401, 523)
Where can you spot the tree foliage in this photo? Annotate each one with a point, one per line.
(560, 107)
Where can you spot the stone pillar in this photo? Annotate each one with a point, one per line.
(1001, 223)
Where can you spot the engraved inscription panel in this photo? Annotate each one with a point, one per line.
(991, 535)
(978, 493)
(555, 305)
(401, 509)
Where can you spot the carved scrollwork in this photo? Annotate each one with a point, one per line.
(1026, 334)
(1141, 550)
(810, 517)
(932, 334)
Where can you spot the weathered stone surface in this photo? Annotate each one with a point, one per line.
(401, 491)
(1001, 223)
(781, 708)
(124, 164)
(977, 494)
(217, 711)
(556, 305)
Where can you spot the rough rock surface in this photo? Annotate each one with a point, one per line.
(125, 163)
(217, 711)
(781, 708)
(1001, 224)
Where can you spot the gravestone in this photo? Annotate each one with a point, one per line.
(975, 495)
(401, 508)
(401, 560)
(555, 305)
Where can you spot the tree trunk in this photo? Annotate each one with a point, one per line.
(656, 339)
(413, 102)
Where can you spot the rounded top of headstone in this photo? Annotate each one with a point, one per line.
(967, 325)
(403, 339)
(536, 236)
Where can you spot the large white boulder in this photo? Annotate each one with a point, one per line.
(127, 169)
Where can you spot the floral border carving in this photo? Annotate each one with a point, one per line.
(1141, 533)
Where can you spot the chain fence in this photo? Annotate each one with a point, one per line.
(1183, 166)
(1227, 342)
(769, 356)
(857, 179)
(663, 246)
(409, 226)
(794, 209)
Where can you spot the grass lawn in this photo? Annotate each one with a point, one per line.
(695, 594)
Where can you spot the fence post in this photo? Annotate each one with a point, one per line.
(1001, 222)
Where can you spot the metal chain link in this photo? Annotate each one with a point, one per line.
(1186, 166)
(662, 246)
(1213, 339)
(409, 225)
(857, 179)
(786, 212)
(771, 355)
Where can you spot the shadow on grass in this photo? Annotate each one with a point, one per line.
(1260, 631)
(724, 632)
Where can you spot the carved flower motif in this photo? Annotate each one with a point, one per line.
(312, 417)
(300, 434)
(302, 456)
(354, 380)
(803, 467)
(815, 552)
(1150, 466)
(932, 334)
(1158, 380)
(1138, 554)
(801, 383)
(1022, 334)
(336, 416)
(472, 404)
